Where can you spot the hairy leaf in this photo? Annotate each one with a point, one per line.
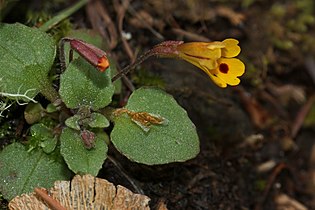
(26, 56)
(174, 141)
(22, 171)
(80, 159)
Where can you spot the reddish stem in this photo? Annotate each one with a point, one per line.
(52, 203)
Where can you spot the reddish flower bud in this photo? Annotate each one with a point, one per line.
(88, 138)
(90, 53)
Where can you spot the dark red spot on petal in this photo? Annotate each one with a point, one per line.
(224, 68)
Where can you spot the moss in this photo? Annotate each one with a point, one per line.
(293, 22)
(143, 77)
(261, 185)
(38, 18)
(310, 119)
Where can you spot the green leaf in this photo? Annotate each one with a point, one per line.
(78, 158)
(43, 136)
(175, 142)
(26, 56)
(33, 113)
(73, 122)
(51, 108)
(22, 171)
(49, 145)
(63, 15)
(98, 121)
(83, 85)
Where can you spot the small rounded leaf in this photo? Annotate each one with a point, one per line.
(26, 56)
(22, 171)
(98, 121)
(73, 122)
(80, 159)
(174, 141)
(33, 113)
(83, 85)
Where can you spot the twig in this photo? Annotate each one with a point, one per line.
(131, 181)
(132, 11)
(52, 203)
(121, 11)
(277, 170)
(127, 81)
(101, 21)
(300, 117)
(190, 35)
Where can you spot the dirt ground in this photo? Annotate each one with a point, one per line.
(257, 139)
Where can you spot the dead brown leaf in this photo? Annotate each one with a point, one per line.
(101, 22)
(284, 202)
(83, 192)
(260, 117)
(234, 17)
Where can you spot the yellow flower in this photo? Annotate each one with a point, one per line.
(216, 59)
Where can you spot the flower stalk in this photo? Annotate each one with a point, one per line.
(216, 59)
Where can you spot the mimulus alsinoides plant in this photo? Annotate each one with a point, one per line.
(215, 58)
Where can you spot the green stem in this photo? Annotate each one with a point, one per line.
(62, 15)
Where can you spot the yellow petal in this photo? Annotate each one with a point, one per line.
(203, 64)
(219, 82)
(199, 50)
(212, 73)
(233, 81)
(208, 64)
(215, 45)
(231, 48)
(235, 68)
